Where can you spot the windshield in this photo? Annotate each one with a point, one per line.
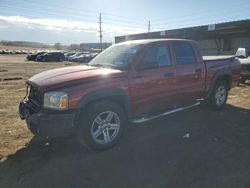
(117, 56)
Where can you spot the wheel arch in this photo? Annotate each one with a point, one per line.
(116, 95)
(224, 74)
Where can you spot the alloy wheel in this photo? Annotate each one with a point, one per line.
(105, 127)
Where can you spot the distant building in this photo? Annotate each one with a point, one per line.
(89, 46)
(222, 38)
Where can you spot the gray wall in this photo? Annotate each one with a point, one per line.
(209, 47)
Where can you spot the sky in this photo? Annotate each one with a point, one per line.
(76, 21)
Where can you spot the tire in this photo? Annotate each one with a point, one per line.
(218, 97)
(102, 125)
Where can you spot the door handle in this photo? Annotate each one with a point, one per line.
(198, 70)
(197, 73)
(169, 74)
(137, 77)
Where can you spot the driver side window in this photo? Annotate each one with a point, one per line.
(157, 55)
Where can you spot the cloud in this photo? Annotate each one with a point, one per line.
(36, 33)
(62, 25)
(56, 30)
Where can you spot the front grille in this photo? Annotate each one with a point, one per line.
(34, 93)
(35, 97)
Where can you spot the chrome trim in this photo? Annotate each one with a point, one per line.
(144, 119)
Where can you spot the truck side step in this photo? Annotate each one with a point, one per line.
(144, 119)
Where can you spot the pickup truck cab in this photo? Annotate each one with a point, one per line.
(134, 81)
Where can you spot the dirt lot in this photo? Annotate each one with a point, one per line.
(153, 154)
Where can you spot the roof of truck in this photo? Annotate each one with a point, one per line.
(146, 41)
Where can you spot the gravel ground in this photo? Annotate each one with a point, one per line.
(193, 148)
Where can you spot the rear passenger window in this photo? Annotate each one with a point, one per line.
(184, 53)
(158, 54)
(163, 56)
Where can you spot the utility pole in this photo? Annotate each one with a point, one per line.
(149, 26)
(100, 29)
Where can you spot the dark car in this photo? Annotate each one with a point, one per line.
(51, 56)
(245, 71)
(32, 57)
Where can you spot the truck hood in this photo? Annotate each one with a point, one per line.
(70, 76)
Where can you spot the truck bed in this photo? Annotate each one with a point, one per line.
(216, 58)
(227, 63)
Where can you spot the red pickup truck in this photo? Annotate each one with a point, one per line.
(134, 81)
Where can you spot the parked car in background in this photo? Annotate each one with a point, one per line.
(32, 57)
(93, 55)
(68, 54)
(244, 57)
(6, 52)
(84, 57)
(70, 58)
(134, 81)
(51, 56)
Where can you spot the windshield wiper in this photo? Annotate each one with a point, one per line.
(103, 65)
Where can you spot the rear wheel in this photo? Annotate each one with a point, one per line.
(218, 97)
(102, 125)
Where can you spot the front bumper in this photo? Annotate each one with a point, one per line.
(45, 123)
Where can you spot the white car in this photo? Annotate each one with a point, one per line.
(244, 59)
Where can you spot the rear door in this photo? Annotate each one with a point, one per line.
(190, 72)
(153, 88)
(54, 56)
(49, 56)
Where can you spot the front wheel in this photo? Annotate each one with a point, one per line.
(102, 125)
(218, 97)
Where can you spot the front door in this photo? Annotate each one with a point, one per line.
(153, 89)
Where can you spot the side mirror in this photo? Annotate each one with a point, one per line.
(241, 53)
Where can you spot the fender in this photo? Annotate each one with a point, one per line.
(219, 73)
(102, 94)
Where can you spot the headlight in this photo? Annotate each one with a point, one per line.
(56, 100)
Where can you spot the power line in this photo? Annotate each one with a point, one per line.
(114, 19)
(217, 9)
(29, 5)
(79, 16)
(205, 17)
